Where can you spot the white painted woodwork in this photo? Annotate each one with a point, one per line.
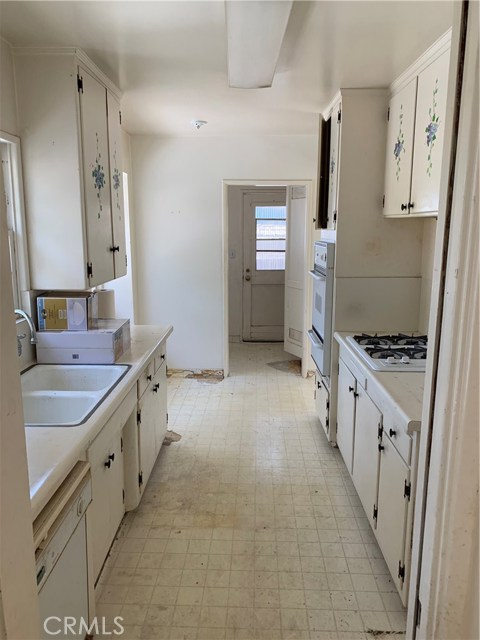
(418, 102)
(322, 402)
(368, 419)
(347, 387)
(59, 128)
(147, 407)
(391, 531)
(295, 269)
(96, 177)
(263, 290)
(161, 410)
(335, 130)
(107, 507)
(116, 185)
(427, 158)
(399, 154)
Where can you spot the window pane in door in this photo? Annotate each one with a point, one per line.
(270, 261)
(270, 238)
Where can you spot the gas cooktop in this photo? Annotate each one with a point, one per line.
(391, 352)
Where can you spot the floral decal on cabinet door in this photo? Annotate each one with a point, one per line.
(98, 175)
(432, 128)
(399, 144)
(116, 182)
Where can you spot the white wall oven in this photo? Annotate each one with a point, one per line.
(320, 334)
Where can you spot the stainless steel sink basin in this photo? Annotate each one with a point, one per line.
(58, 395)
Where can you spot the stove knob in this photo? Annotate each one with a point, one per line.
(405, 359)
(391, 360)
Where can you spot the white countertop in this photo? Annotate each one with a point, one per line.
(400, 393)
(52, 452)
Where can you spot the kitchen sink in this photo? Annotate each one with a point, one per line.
(56, 395)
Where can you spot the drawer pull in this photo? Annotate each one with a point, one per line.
(149, 378)
(381, 447)
(108, 464)
(392, 433)
(111, 457)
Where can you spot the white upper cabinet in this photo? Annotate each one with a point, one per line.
(415, 135)
(335, 125)
(116, 185)
(429, 135)
(398, 161)
(71, 142)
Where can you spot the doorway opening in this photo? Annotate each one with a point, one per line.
(268, 239)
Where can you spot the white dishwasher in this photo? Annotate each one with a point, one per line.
(61, 558)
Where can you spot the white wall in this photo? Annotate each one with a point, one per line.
(177, 199)
(8, 106)
(428, 253)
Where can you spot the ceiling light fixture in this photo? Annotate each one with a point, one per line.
(255, 31)
(198, 123)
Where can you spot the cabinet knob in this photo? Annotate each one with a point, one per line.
(156, 387)
(149, 378)
(162, 356)
(392, 433)
(351, 389)
(381, 447)
(111, 457)
(411, 205)
(114, 248)
(108, 464)
(404, 207)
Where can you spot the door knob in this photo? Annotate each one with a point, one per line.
(247, 278)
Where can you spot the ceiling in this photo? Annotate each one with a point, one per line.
(170, 58)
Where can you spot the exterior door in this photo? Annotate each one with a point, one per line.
(264, 250)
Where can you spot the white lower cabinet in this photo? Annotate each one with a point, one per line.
(347, 393)
(378, 455)
(322, 402)
(151, 415)
(393, 508)
(107, 508)
(366, 458)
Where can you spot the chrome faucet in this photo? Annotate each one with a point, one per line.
(29, 321)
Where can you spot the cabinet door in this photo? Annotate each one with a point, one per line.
(429, 135)
(346, 414)
(368, 421)
(392, 511)
(161, 408)
(107, 508)
(116, 185)
(333, 167)
(146, 433)
(96, 178)
(321, 402)
(398, 162)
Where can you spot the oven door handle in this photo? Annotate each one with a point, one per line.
(317, 276)
(314, 339)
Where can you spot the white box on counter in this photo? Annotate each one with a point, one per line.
(104, 345)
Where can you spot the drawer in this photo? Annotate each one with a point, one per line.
(160, 357)
(145, 378)
(398, 436)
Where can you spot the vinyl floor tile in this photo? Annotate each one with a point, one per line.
(249, 527)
